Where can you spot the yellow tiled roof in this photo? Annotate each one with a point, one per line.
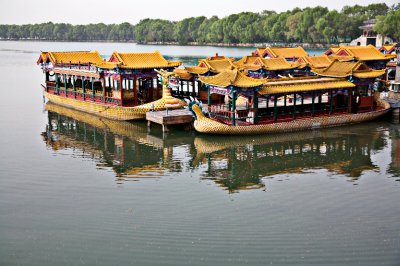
(292, 86)
(106, 64)
(217, 57)
(286, 52)
(197, 70)
(320, 61)
(248, 63)
(363, 53)
(388, 48)
(144, 60)
(219, 65)
(182, 73)
(332, 49)
(246, 60)
(260, 51)
(93, 58)
(75, 57)
(232, 77)
(369, 74)
(344, 69)
(214, 65)
(341, 58)
(42, 58)
(273, 64)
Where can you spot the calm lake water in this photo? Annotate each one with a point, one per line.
(79, 190)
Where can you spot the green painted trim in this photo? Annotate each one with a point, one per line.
(233, 108)
(275, 107)
(57, 84)
(313, 104)
(92, 81)
(294, 105)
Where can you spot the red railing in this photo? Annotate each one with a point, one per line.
(88, 96)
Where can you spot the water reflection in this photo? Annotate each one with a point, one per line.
(234, 163)
(241, 163)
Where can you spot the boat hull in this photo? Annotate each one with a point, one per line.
(111, 111)
(203, 124)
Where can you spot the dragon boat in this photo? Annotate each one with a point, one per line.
(123, 88)
(340, 94)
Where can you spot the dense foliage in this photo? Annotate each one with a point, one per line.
(308, 25)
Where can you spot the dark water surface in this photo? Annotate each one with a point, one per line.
(79, 190)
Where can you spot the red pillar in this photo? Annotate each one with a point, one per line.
(121, 89)
(151, 90)
(135, 91)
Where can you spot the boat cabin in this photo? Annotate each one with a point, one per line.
(126, 79)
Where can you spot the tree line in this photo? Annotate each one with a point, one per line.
(308, 25)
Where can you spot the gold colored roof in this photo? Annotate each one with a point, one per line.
(42, 58)
(143, 60)
(197, 70)
(320, 61)
(219, 65)
(292, 86)
(246, 60)
(332, 49)
(341, 58)
(273, 64)
(285, 52)
(339, 69)
(232, 77)
(248, 63)
(93, 58)
(363, 53)
(75, 57)
(217, 57)
(369, 74)
(260, 51)
(215, 65)
(106, 64)
(182, 73)
(388, 48)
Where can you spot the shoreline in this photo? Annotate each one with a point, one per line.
(237, 45)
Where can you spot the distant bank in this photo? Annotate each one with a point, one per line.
(305, 45)
(309, 27)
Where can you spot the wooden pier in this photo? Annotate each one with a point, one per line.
(170, 117)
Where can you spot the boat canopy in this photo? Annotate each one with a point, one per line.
(303, 85)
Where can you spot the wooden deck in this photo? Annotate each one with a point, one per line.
(170, 117)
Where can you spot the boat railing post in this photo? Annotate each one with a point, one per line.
(312, 104)
(103, 89)
(65, 85)
(121, 88)
(83, 88)
(255, 107)
(233, 110)
(74, 86)
(57, 84)
(209, 96)
(349, 99)
(92, 83)
(294, 105)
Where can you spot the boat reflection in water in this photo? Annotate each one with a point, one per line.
(240, 163)
(124, 147)
(234, 163)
